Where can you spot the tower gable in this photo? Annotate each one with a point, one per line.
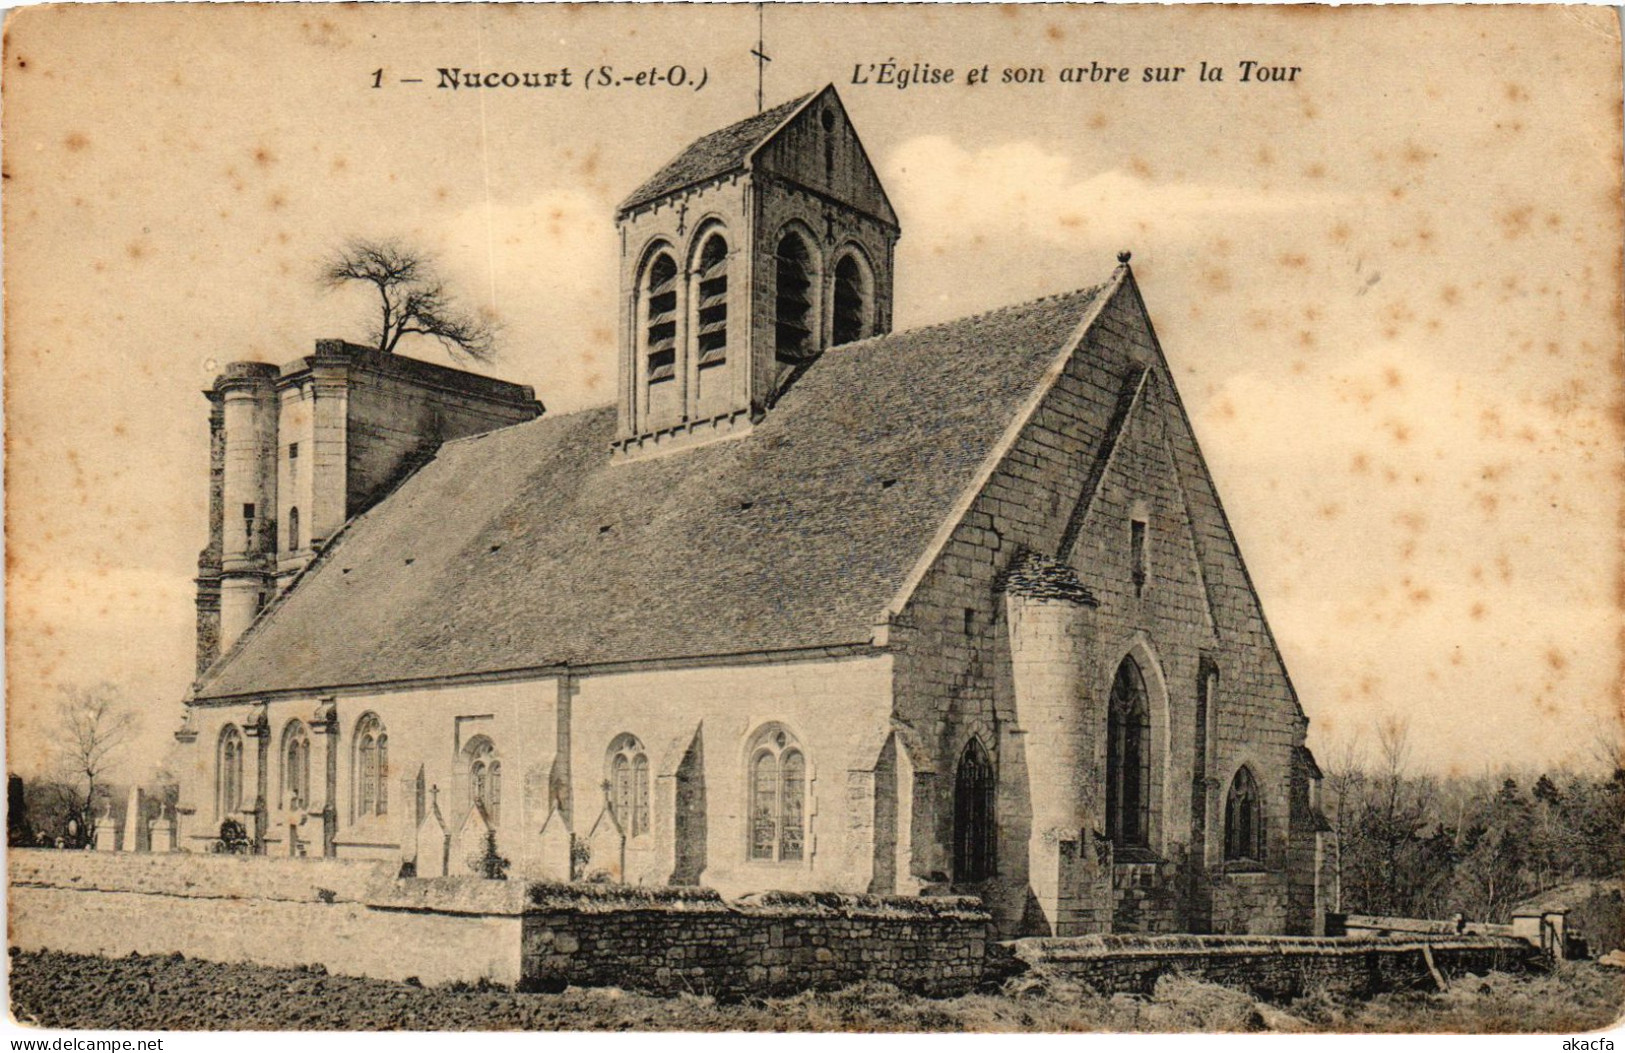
(742, 260)
(817, 149)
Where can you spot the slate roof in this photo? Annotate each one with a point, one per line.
(713, 155)
(528, 547)
(1042, 577)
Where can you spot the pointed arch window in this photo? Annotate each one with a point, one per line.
(1128, 760)
(371, 767)
(974, 830)
(293, 529)
(660, 321)
(711, 312)
(793, 299)
(629, 784)
(778, 788)
(295, 767)
(1244, 820)
(230, 783)
(851, 301)
(484, 769)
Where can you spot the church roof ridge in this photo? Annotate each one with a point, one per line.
(976, 317)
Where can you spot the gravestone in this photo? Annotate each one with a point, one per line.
(413, 798)
(431, 840)
(557, 842)
(161, 834)
(106, 830)
(468, 845)
(135, 821)
(606, 849)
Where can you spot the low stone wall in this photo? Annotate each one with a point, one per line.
(355, 918)
(673, 940)
(1274, 967)
(350, 917)
(198, 875)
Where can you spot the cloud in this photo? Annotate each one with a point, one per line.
(1024, 191)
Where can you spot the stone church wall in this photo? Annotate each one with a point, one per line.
(835, 709)
(693, 394)
(553, 738)
(401, 410)
(953, 677)
(1250, 903)
(427, 728)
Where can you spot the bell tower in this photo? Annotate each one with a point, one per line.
(743, 260)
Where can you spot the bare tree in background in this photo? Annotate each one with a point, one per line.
(1345, 783)
(93, 724)
(411, 299)
(1608, 745)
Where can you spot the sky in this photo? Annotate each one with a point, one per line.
(1389, 289)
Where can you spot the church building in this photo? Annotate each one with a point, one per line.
(814, 606)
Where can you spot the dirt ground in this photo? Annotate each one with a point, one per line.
(69, 991)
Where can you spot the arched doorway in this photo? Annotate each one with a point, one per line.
(973, 816)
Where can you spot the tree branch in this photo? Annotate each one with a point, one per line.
(411, 301)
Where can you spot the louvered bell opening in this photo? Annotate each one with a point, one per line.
(662, 364)
(662, 309)
(847, 316)
(794, 342)
(793, 302)
(712, 338)
(663, 347)
(663, 279)
(848, 325)
(793, 333)
(714, 268)
(714, 292)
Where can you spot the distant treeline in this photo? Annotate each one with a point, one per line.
(1425, 846)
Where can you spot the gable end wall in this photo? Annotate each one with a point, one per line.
(951, 684)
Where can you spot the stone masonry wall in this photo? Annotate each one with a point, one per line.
(400, 412)
(354, 919)
(670, 941)
(1269, 967)
(1249, 903)
(1198, 607)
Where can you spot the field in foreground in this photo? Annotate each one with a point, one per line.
(56, 990)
